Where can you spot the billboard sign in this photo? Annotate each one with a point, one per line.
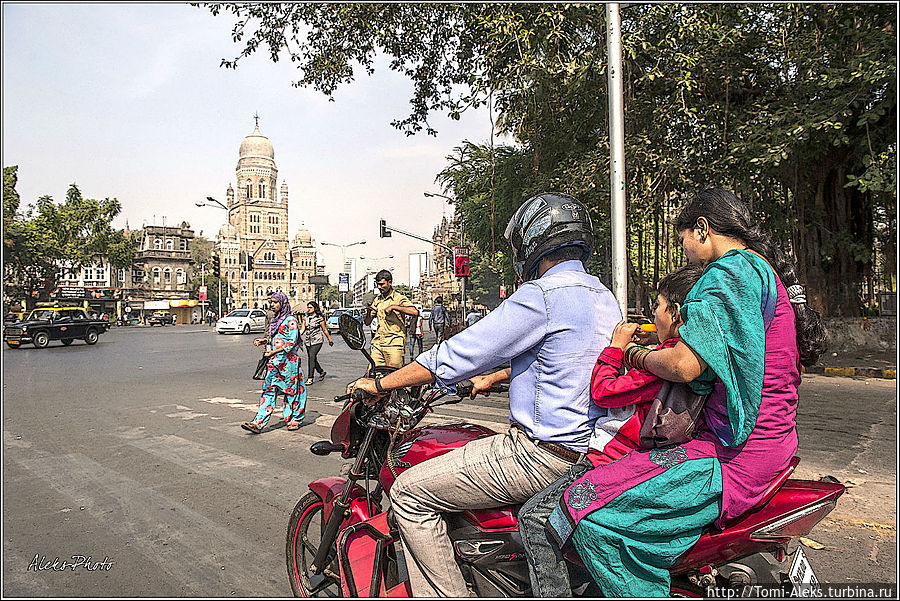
(343, 282)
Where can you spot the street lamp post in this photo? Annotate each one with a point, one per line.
(212, 202)
(343, 248)
(202, 284)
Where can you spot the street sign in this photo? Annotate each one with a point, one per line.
(202, 293)
(461, 261)
(70, 292)
(343, 282)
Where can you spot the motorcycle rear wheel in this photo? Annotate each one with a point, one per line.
(303, 536)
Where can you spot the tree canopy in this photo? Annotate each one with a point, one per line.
(792, 106)
(51, 238)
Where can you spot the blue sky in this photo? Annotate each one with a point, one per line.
(129, 101)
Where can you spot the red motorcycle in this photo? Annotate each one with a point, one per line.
(342, 542)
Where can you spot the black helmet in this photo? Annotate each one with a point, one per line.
(544, 223)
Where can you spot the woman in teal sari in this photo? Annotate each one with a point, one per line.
(744, 338)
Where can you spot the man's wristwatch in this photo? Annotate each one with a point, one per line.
(378, 384)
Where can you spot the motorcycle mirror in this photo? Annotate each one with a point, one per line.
(351, 331)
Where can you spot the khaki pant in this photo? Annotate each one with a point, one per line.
(391, 356)
(507, 468)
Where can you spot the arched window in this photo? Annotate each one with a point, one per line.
(156, 274)
(179, 277)
(157, 244)
(249, 189)
(262, 189)
(170, 244)
(183, 244)
(167, 275)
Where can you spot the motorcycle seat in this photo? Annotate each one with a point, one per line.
(494, 519)
(767, 495)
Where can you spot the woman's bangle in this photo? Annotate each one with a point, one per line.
(636, 356)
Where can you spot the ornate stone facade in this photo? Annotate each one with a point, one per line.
(257, 227)
(442, 281)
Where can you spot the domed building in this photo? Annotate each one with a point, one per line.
(256, 234)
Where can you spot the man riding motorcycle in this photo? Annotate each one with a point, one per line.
(551, 330)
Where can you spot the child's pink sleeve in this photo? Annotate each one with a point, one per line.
(609, 389)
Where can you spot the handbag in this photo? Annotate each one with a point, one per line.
(262, 366)
(673, 416)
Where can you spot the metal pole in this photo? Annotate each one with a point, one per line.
(220, 298)
(202, 283)
(462, 284)
(616, 155)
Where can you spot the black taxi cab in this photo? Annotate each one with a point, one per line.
(44, 324)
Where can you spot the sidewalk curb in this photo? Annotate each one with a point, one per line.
(850, 372)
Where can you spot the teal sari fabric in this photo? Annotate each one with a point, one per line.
(629, 544)
(730, 338)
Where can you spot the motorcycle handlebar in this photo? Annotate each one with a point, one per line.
(464, 388)
(356, 395)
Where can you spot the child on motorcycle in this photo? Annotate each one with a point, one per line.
(626, 399)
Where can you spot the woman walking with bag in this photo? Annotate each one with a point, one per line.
(313, 332)
(283, 371)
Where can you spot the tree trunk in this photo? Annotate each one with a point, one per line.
(838, 225)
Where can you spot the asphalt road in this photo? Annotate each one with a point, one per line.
(130, 453)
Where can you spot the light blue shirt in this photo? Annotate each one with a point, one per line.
(551, 330)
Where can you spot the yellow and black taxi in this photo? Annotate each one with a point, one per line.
(44, 324)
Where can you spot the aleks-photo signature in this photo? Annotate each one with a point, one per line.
(84, 562)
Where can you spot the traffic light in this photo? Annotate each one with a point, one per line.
(249, 262)
(461, 263)
(217, 265)
(384, 232)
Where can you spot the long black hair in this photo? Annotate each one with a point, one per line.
(729, 216)
(315, 307)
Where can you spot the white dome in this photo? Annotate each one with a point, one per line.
(303, 237)
(257, 145)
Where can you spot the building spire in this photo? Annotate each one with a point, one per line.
(256, 118)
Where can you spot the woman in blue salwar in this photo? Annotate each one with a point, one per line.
(283, 369)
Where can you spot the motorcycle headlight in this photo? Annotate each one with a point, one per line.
(24, 329)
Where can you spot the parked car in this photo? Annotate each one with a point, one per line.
(159, 318)
(242, 321)
(65, 324)
(332, 322)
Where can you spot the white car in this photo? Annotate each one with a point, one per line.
(242, 321)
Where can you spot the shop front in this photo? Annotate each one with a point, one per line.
(185, 310)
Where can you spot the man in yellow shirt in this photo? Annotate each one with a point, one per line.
(389, 342)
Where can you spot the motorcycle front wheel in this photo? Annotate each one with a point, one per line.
(304, 535)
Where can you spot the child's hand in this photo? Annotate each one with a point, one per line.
(645, 338)
(623, 334)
